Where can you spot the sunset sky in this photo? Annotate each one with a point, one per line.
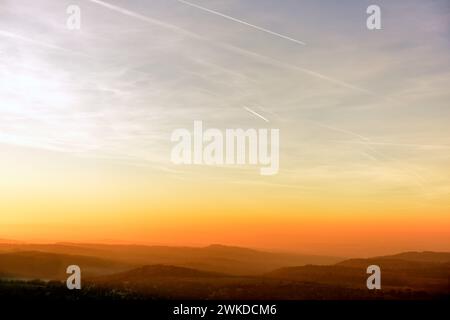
(86, 118)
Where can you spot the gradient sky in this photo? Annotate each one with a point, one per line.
(364, 118)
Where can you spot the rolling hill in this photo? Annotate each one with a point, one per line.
(51, 266)
(411, 275)
(214, 258)
(413, 270)
(401, 279)
(165, 272)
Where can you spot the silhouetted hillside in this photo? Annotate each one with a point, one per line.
(426, 256)
(159, 271)
(164, 281)
(214, 258)
(9, 241)
(42, 265)
(414, 274)
(411, 275)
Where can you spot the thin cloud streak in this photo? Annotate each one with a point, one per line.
(231, 48)
(15, 36)
(256, 114)
(411, 145)
(242, 22)
(147, 19)
(377, 156)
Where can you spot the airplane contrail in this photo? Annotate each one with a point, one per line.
(242, 22)
(363, 139)
(231, 48)
(29, 40)
(16, 36)
(147, 19)
(412, 145)
(256, 114)
(278, 63)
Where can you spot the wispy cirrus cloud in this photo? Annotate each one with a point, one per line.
(147, 68)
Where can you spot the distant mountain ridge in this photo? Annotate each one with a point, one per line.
(424, 256)
(9, 241)
(420, 270)
(409, 275)
(213, 258)
(51, 266)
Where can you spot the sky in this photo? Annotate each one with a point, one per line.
(86, 118)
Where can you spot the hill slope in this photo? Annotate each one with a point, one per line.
(42, 265)
(420, 271)
(214, 258)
